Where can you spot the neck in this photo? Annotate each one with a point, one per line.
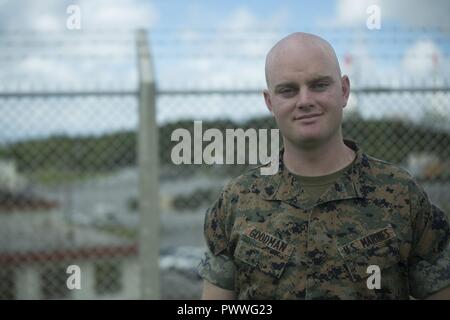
(318, 160)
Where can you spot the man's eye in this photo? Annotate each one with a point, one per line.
(286, 91)
(320, 85)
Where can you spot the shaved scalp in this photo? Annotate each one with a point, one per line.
(300, 42)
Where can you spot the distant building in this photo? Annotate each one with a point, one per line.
(37, 246)
(9, 178)
(425, 165)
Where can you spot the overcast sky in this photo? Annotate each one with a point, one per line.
(206, 44)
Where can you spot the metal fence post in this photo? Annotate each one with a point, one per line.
(148, 173)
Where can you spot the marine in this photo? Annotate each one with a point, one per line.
(330, 213)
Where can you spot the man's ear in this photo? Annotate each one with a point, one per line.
(267, 100)
(345, 83)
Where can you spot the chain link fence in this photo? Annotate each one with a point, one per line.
(69, 164)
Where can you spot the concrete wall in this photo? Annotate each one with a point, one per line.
(28, 281)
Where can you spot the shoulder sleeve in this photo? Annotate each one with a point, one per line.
(218, 270)
(217, 266)
(429, 266)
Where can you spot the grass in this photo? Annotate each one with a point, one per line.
(120, 231)
(54, 177)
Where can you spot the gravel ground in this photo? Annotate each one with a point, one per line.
(180, 285)
(181, 241)
(182, 247)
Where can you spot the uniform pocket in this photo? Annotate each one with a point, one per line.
(383, 254)
(261, 257)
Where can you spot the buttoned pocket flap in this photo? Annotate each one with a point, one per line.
(260, 257)
(382, 255)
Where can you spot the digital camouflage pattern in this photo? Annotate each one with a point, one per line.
(265, 243)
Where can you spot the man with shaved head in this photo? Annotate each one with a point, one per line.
(306, 95)
(333, 222)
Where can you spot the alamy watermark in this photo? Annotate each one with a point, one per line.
(73, 21)
(373, 21)
(74, 280)
(235, 139)
(374, 280)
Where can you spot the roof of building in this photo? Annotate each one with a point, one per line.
(24, 201)
(27, 242)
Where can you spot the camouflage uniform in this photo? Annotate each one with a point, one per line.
(265, 243)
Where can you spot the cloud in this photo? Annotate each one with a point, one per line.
(46, 22)
(240, 20)
(118, 14)
(51, 15)
(422, 58)
(32, 15)
(360, 65)
(232, 55)
(376, 59)
(69, 58)
(39, 68)
(419, 13)
(352, 13)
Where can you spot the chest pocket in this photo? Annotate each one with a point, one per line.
(359, 254)
(261, 257)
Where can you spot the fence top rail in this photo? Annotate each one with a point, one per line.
(71, 94)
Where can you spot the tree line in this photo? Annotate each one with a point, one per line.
(390, 140)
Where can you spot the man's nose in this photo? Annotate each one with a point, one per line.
(304, 99)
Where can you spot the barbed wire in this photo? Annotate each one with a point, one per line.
(255, 29)
(194, 56)
(201, 40)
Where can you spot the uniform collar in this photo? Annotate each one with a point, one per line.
(285, 187)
